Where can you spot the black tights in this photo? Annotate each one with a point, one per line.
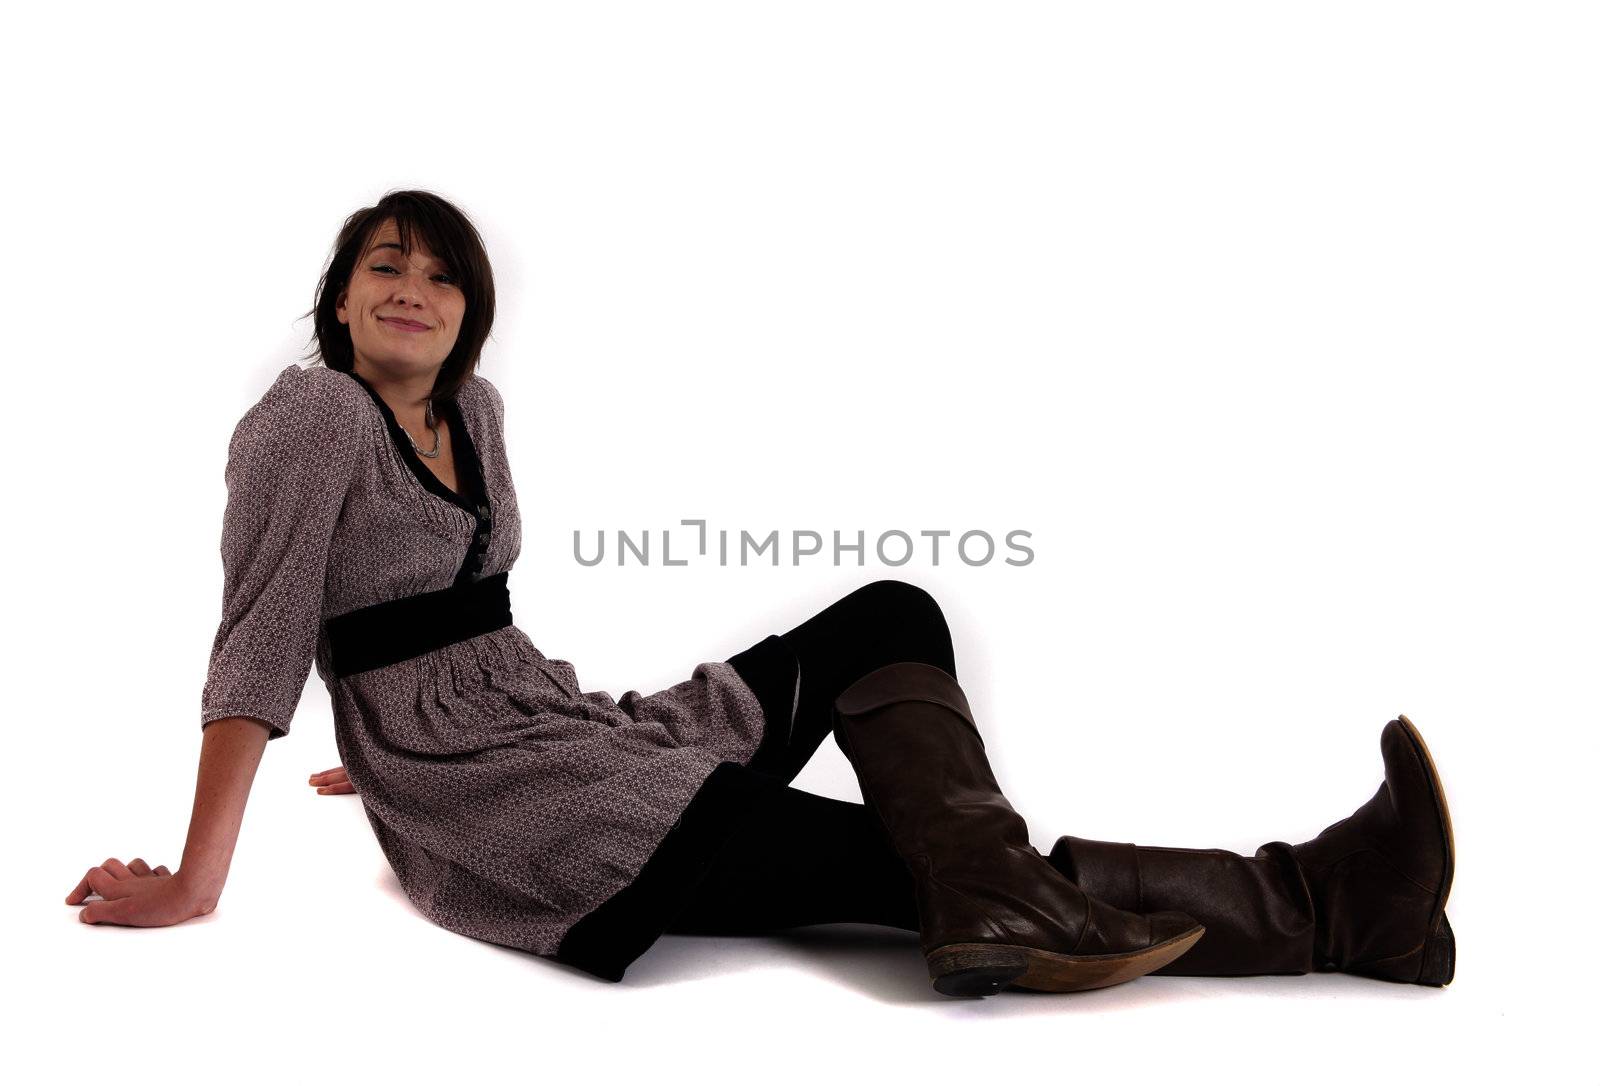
(802, 858)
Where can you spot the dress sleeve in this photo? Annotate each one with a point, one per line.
(497, 406)
(291, 461)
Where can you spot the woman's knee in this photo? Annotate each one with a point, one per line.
(904, 598)
(911, 620)
(884, 620)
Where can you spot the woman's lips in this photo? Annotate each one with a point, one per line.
(404, 326)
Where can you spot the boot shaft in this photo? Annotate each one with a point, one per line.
(1257, 911)
(909, 733)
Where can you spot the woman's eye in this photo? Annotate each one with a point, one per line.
(446, 276)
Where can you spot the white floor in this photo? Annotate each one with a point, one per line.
(316, 965)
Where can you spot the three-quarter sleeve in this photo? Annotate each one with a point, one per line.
(496, 405)
(291, 461)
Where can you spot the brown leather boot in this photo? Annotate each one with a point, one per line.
(1365, 896)
(1257, 911)
(991, 910)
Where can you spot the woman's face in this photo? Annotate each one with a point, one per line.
(404, 312)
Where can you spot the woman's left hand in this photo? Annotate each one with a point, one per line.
(332, 782)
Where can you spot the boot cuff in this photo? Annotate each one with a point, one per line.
(905, 681)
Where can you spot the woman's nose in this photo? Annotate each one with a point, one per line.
(410, 288)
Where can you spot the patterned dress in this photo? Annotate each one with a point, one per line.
(510, 801)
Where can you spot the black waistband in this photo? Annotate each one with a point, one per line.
(396, 630)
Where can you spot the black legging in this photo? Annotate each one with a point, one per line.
(809, 859)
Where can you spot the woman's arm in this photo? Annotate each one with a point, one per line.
(230, 752)
(291, 460)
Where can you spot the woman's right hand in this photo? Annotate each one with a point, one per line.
(137, 896)
(332, 782)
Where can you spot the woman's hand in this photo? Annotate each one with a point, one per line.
(139, 897)
(332, 782)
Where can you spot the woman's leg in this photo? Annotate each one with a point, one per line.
(884, 622)
(806, 859)
(800, 858)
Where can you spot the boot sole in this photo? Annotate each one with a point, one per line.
(980, 969)
(1439, 950)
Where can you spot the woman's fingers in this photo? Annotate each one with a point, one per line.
(109, 885)
(107, 912)
(120, 887)
(82, 890)
(106, 884)
(332, 782)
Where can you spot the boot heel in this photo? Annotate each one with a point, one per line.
(1439, 956)
(973, 969)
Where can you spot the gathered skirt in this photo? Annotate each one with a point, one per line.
(751, 854)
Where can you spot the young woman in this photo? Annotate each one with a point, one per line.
(370, 527)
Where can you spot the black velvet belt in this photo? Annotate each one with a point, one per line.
(386, 633)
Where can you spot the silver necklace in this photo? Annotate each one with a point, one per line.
(435, 453)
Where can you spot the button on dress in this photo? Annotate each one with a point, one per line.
(510, 801)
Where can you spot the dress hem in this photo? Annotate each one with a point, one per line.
(611, 937)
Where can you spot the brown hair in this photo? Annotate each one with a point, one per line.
(451, 237)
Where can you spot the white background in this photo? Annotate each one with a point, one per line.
(1273, 323)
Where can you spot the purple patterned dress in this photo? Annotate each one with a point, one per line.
(510, 801)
